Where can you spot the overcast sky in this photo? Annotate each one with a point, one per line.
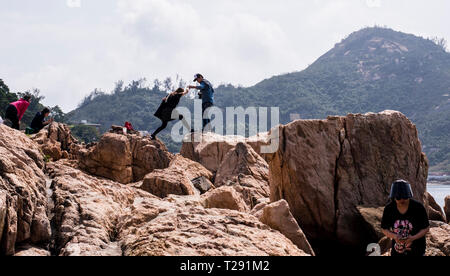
(66, 48)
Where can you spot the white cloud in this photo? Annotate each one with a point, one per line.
(67, 52)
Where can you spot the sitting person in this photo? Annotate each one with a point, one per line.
(39, 122)
(164, 112)
(405, 221)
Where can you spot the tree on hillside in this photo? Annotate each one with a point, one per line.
(157, 84)
(168, 85)
(86, 134)
(441, 42)
(119, 87)
(89, 98)
(58, 114)
(6, 97)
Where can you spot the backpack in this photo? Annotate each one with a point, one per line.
(129, 126)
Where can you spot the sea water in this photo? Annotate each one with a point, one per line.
(439, 192)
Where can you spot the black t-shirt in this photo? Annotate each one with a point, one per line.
(38, 121)
(408, 224)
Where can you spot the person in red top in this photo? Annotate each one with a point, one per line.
(16, 110)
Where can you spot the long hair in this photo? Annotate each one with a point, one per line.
(178, 91)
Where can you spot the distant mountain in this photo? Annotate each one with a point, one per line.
(372, 70)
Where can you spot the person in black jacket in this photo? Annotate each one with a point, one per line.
(39, 122)
(405, 221)
(164, 112)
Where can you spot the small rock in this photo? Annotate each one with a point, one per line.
(202, 184)
(224, 198)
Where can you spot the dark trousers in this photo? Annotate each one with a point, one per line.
(11, 114)
(205, 106)
(163, 126)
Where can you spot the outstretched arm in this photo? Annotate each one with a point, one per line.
(200, 87)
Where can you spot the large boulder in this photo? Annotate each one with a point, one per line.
(23, 197)
(56, 142)
(95, 216)
(125, 158)
(246, 171)
(435, 211)
(86, 212)
(210, 149)
(324, 169)
(177, 179)
(278, 216)
(447, 208)
(438, 239)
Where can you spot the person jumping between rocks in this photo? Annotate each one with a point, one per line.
(405, 221)
(164, 112)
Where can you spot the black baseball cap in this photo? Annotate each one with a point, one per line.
(197, 76)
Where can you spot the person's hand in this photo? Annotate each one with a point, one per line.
(397, 238)
(408, 242)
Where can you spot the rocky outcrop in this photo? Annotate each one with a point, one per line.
(57, 142)
(161, 228)
(372, 226)
(95, 216)
(23, 198)
(87, 210)
(438, 239)
(435, 211)
(247, 172)
(278, 216)
(31, 251)
(177, 179)
(372, 217)
(224, 198)
(324, 169)
(210, 149)
(447, 208)
(125, 158)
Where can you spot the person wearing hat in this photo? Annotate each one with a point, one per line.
(405, 221)
(206, 95)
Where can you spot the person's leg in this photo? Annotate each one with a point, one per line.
(205, 106)
(161, 128)
(11, 114)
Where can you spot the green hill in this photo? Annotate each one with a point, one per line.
(371, 70)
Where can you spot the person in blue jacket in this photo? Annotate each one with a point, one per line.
(206, 95)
